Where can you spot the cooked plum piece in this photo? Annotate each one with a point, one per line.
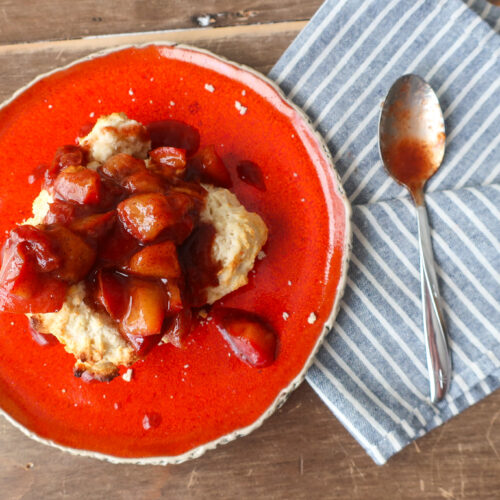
(19, 274)
(46, 296)
(145, 216)
(146, 308)
(207, 166)
(144, 182)
(77, 256)
(142, 345)
(94, 226)
(174, 297)
(38, 244)
(112, 293)
(121, 165)
(26, 284)
(174, 133)
(117, 248)
(250, 337)
(69, 155)
(178, 327)
(169, 162)
(66, 156)
(157, 261)
(195, 191)
(79, 185)
(60, 212)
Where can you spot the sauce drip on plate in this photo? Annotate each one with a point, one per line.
(250, 172)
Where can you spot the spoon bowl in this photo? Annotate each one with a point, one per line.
(411, 145)
(412, 136)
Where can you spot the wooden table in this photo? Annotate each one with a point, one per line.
(300, 452)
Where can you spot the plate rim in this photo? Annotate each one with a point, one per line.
(327, 325)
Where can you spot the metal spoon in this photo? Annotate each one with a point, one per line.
(411, 143)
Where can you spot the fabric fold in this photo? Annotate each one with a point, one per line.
(371, 371)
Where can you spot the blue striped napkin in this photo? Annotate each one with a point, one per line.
(371, 370)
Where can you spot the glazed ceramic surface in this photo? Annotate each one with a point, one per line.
(203, 394)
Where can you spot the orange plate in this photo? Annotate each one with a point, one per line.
(204, 394)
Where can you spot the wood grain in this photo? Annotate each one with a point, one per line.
(302, 451)
(258, 46)
(32, 20)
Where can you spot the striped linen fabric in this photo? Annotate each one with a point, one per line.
(371, 370)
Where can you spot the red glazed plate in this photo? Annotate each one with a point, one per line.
(201, 396)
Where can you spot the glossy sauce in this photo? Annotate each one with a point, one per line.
(217, 394)
(199, 268)
(250, 172)
(410, 162)
(42, 339)
(250, 336)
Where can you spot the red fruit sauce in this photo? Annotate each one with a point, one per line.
(410, 161)
(202, 392)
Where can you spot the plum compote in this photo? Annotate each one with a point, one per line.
(130, 230)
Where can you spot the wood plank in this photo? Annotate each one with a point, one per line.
(258, 46)
(32, 20)
(302, 452)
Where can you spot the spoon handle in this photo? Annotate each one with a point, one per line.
(436, 347)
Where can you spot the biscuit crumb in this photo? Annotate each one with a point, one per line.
(261, 255)
(312, 318)
(209, 87)
(29, 465)
(240, 107)
(127, 376)
(202, 313)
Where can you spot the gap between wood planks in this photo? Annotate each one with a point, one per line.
(187, 35)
